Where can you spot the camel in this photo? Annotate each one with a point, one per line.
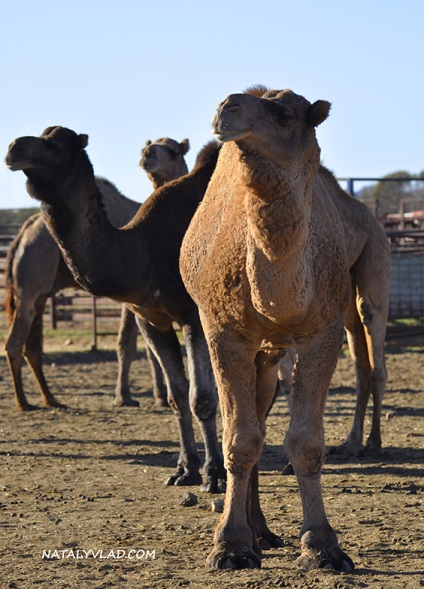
(36, 270)
(265, 259)
(163, 160)
(137, 265)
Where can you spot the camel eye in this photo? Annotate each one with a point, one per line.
(280, 114)
(53, 147)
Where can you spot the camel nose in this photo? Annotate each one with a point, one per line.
(13, 147)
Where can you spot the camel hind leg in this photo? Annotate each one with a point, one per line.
(26, 339)
(365, 324)
(18, 333)
(33, 352)
(374, 320)
(126, 348)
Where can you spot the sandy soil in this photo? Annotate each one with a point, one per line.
(91, 478)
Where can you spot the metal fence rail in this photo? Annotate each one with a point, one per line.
(101, 316)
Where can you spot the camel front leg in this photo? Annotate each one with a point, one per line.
(234, 367)
(204, 402)
(305, 447)
(267, 388)
(167, 349)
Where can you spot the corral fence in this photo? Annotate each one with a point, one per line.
(101, 316)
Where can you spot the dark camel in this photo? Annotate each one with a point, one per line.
(137, 265)
(265, 258)
(35, 270)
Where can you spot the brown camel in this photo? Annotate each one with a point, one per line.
(265, 259)
(137, 265)
(36, 270)
(163, 160)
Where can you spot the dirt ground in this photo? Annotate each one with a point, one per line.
(91, 478)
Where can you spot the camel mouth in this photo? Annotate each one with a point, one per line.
(150, 167)
(16, 165)
(227, 135)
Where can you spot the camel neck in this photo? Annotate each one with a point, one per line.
(278, 204)
(92, 247)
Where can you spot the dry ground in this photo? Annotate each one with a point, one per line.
(91, 478)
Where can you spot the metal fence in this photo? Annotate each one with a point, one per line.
(101, 316)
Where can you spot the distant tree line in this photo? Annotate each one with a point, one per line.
(386, 196)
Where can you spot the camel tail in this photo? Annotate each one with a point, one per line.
(9, 302)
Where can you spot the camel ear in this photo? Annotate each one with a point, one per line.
(148, 142)
(318, 112)
(184, 146)
(83, 141)
(48, 130)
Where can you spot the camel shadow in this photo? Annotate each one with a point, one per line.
(391, 462)
(85, 357)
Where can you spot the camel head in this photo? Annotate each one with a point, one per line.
(163, 155)
(49, 159)
(277, 124)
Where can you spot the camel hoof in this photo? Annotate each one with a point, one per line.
(345, 449)
(342, 562)
(269, 541)
(215, 480)
(120, 402)
(233, 561)
(315, 555)
(56, 405)
(214, 485)
(372, 450)
(27, 407)
(184, 479)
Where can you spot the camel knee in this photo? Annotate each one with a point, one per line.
(306, 452)
(378, 379)
(242, 450)
(13, 351)
(177, 398)
(204, 405)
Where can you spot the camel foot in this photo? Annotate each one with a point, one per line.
(27, 407)
(288, 469)
(53, 404)
(347, 448)
(184, 478)
(215, 480)
(371, 448)
(127, 402)
(269, 540)
(228, 558)
(160, 402)
(329, 556)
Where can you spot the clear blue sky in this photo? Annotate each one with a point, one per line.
(130, 70)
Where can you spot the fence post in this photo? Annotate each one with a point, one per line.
(94, 322)
(53, 314)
